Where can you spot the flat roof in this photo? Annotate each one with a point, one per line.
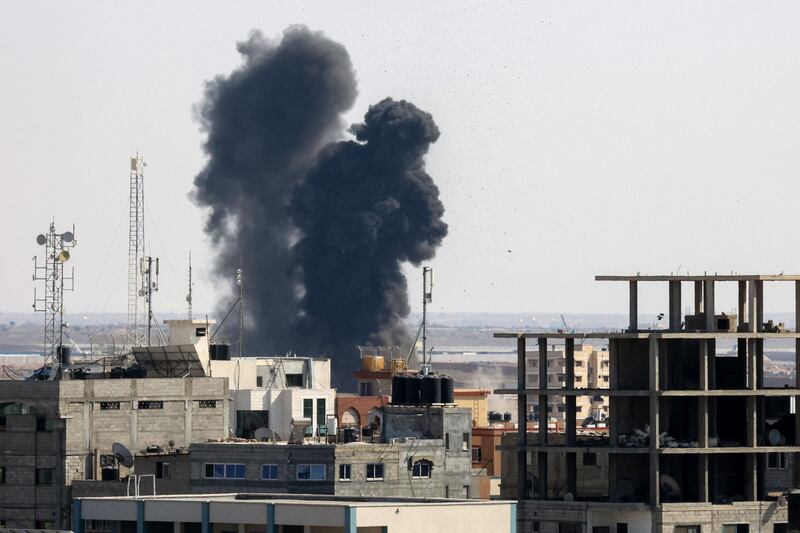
(646, 335)
(702, 277)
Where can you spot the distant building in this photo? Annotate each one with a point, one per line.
(275, 513)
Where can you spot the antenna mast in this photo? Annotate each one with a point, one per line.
(427, 289)
(240, 283)
(51, 272)
(135, 334)
(149, 286)
(189, 295)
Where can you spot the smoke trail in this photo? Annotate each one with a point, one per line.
(363, 210)
(323, 226)
(265, 123)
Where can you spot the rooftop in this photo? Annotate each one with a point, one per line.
(702, 277)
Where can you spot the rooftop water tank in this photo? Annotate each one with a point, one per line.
(431, 390)
(412, 388)
(398, 389)
(448, 390)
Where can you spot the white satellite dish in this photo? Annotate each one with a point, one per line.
(41, 239)
(67, 236)
(124, 457)
(264, 434)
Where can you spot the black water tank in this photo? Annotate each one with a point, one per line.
(412, 389)
(63, 354)
(506, 417)
(135, 372)
(219, 352)
(398, 389)
(117, 373)
(794, 510)
(448, 392)
(431, 391)
(494, 416)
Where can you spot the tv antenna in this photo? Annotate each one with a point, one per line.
(57, 248)
(240, 283)
(135, 332)
(427, 290)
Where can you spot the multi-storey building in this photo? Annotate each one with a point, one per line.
(694, 434)
(591, 372)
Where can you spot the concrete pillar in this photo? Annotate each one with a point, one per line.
(698, 298)
(712, 363)
(752, 307)
(176, 527)
(271, 526)
(571, 422)
(675, 305)
(797, 374)
(522, 419)
(350, 524)
(752, 372)
(654, 425)
(742, 307)
(572, 473)
(759, 361)
(541, 460)
(544, 371)
(741, 361)
(702, 476)
(702, 360)
(708, 304)
(633, 310)
(751, 478)
(751, 421)
(760, 302)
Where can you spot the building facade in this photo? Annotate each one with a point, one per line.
(692, 428)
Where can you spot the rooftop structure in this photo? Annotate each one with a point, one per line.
(276, 512)
(692, 428)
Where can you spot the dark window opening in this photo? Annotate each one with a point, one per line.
(247, 422)
(590, 459)
(150, 404)
(162, 470)
(109, 406)
(44, 476)
(208, 404)
(200, 332)
(294, 380)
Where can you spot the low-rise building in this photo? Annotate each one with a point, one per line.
(274, 513)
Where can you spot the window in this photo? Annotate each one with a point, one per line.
(225, 471)
(465, 442)
(208, 404)
(735, 528)
(622, 527)
(601, 529)
(308, 408)
(162, 470)
(247, 422)
(578, 379)
(447, 441)
(41, 423)
(43, 524)
(466, 492)
(476, 454)
(560, 408)
(320, 413)
(687, 529)
(579, 364)
(199, 332)
(589, 459)
(776, 460)
(150, 404)
(269, 472)
(307, 472)
(44, 476)
(375, 472)
(2, 474)
(421, 469)
(3, 423)
(345, 472)
(109, 406)
(780, 528)
(294, 380)
(259, 381)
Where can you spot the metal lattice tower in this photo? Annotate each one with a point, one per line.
(51, 272)
(136, 321)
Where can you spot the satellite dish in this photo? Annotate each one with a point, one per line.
(41, 239)
(669, 485)
(63, 256)
(67, 236)
(264, 434)
(122, 454)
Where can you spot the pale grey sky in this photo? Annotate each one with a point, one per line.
(577, 138)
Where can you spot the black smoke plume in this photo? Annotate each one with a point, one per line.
(322, 226)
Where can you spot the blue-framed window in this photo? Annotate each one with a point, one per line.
(269, 472)
(309, 472)
(226, 471)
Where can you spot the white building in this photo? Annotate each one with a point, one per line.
(265, 391)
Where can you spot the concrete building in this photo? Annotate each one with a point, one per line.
(275, 513)
(423, 452)
(591, 372)
(692, 428)
(56, 434)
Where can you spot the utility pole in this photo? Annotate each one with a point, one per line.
(189, 295)
(240, 283)
(149, 286)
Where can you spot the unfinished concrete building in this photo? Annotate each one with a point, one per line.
(694, 435)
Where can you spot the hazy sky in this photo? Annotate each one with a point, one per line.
(577, 139)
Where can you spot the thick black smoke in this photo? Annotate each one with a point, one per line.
(321, 226)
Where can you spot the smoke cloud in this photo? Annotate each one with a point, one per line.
(322, 225)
